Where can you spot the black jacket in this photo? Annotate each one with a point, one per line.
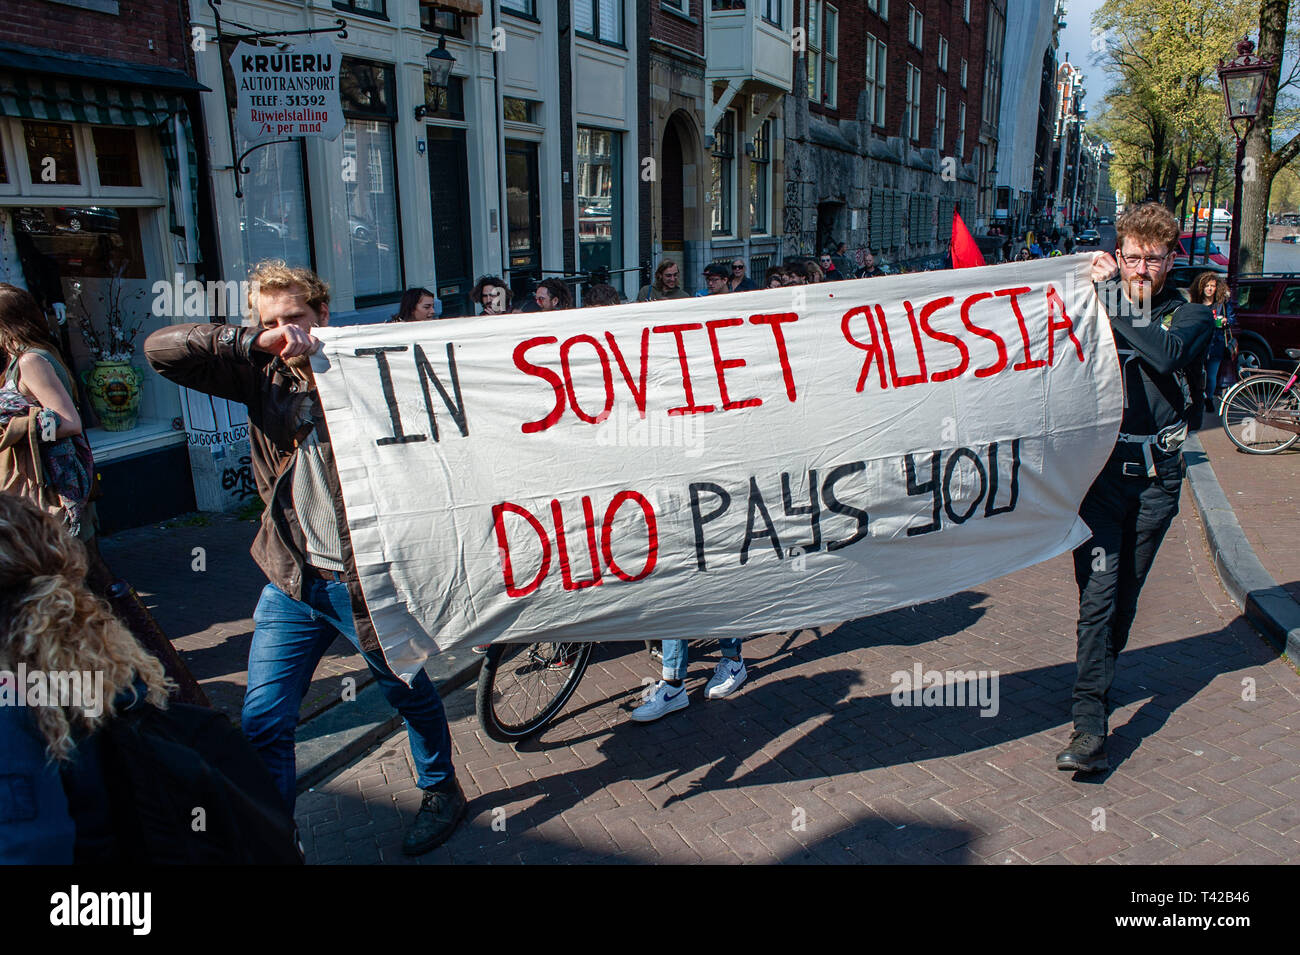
(1156, 353)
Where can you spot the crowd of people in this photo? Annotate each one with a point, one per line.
(48, 617)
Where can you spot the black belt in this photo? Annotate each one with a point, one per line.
(319, 572)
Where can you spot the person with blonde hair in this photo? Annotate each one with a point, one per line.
(667, 283)
(50, 623)
(304, 547)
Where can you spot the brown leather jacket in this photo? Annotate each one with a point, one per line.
(219, 360)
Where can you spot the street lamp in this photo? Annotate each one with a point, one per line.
(1243, 82)
(1199, 178)
(440, 64)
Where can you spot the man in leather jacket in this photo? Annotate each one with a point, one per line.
(303, 546)
(1133, 501)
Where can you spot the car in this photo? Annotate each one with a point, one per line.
(1088, 237)
(1268, 316)
(1206, 250)
(1105, 220)
(1180, 277)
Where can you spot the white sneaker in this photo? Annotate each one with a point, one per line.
(665, 699)
(728, 675)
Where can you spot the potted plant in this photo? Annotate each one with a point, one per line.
(112, 383)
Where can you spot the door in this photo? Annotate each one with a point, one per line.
(524, 218)
(449, 189)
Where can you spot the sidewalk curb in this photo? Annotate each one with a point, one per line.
(347, 730)
(1252, 588)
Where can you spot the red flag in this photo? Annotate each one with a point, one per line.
(965, 253)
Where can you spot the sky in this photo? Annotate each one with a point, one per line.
(1076, 39)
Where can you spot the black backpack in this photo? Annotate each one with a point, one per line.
(186, 788)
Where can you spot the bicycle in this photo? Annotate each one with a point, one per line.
(523, 686)
(1261, 413)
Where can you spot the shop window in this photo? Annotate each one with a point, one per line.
(273, 222)
(116, 158)
(600, 240)
(86, 241)
(374, 244)
(51, 153)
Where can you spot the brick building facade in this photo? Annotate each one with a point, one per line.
(884, 143)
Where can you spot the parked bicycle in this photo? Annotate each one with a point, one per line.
(1261, 413)
(523, 686)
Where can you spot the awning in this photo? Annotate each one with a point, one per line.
(468, 8)
(15, 58)
(69, 100)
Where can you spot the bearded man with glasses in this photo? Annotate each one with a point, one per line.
(1159, 338)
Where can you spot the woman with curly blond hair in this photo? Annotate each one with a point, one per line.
(67, 667)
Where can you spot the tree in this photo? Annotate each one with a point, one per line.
(1159, 114)
(1276, 109)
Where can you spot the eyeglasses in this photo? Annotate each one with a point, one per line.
(738, 268)
(1153, 261)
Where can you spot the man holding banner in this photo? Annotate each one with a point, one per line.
(304, 545)
(1133, 501)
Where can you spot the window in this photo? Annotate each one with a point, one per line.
(374, 8)
(943, 53)
(915, 26)
(273, 211)
(527, 7)
(992, 101)
(444, 102)
(370, 178)
(722, 166)
(965, 11)
(913, 102)
(963, 72)
(814, 51)
(517, 110)
(941, 116)
(879, 7)
(599, 19)
(441, 21)
(772, 11)
(823, 52)
(875, 80)
(600, 234)
(86, 242)
(115, 155)
(51, 153)
(830, 54)
(960, 148)
(680, 6)
(760, 181)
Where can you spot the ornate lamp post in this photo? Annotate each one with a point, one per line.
(1199, 178)
(1243, 83)
(440, 63)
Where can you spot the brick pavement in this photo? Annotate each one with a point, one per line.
(1201, 774)
(208, 613)
(1264, 491)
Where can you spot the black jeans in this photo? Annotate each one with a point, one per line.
(1128, 517)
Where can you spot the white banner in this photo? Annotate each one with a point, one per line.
(287, 91)
(721, 466)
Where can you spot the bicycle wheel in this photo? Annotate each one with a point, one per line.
(1247, 402)
(523, 685)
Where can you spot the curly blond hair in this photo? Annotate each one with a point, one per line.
(52, 623)
(274, 275)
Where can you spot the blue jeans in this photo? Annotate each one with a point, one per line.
(675, 656)
(289, 638)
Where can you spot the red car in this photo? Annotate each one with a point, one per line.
(1268, 315)
(1204, 244)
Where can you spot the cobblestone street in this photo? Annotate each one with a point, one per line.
(810, 761)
